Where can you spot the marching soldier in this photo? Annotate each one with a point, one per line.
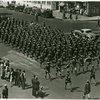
(68, 80)
(58, 68)
(47, 70)
(87, 90)
(92, 75)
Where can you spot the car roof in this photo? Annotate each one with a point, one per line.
(76, 31)
(86, 29)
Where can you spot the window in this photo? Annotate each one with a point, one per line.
(43, 2)
(35, 1)
(48, 2)
(88, 31)
(38, 2)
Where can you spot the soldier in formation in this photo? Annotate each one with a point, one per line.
(48, 44)
(68, 81)
(87, 89)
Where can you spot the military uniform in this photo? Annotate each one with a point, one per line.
(87, 90)
(68, 80)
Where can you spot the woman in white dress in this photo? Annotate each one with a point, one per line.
(11, 76)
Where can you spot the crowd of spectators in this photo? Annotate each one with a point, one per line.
(16, 77)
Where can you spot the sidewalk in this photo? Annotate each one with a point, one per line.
(59, 15)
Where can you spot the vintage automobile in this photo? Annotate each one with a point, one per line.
(88, 33)
(84, 33)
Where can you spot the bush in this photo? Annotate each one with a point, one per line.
(19, 8)
(27, 10)
(32, 10)
(11, 7)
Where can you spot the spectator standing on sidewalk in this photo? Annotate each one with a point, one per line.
(5, 92)
(70, 16)
(33, 84)
(37, 87)
(98, 23)
(23, 79)
(92, 75)
(12, 76)
(47, 70)
(64, 14)
(36, 17)
(76, 17)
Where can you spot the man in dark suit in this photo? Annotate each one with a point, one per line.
(98, 23)
(33, 84)
(5, 92)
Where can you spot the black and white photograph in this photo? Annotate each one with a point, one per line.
(49, 49)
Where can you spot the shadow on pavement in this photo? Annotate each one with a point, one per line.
(83, 72)
(53, 78)
(98, 83)
(1, 86)
(75, 89)
(43, 95)
(28, 86)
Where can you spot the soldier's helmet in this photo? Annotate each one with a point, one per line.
(87, 81)
(5, 85)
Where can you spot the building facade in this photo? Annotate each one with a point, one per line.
(31, 3)
(83, 8)
(40, 4)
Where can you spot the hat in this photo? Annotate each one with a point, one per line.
(41, 87)
(34, 75)
(5, 85)
(87, 81)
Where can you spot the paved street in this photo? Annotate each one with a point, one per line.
(55, 88)
(65, 25)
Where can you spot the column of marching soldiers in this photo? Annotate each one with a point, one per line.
(51, 46)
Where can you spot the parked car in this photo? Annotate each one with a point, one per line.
(85, 33)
